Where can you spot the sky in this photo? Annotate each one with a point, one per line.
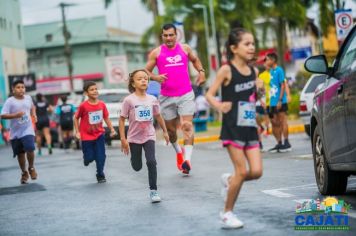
(129, 15)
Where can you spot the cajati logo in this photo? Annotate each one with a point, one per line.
(327, 214)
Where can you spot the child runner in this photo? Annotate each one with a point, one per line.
(239, 130)
(19, 108)
(65, 113)
(140, 108)
(42, 125)
(90, 129)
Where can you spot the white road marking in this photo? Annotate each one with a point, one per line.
(305, 156)
(278, 193)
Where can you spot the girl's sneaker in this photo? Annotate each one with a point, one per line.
(230, 221)
(225, 185)
(154, 196)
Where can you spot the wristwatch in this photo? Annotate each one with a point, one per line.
(201, 70)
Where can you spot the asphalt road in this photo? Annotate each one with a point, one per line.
(66, 200)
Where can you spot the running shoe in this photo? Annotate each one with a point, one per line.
(225, 185)
(33, 173)
(50, 151)
(186, 167)
(154, 196)
(230, 221)
(261, 147)
(275, 149)
(101, 178)
(180, 160)
(24, 177)
(39, 152)
(286, 147)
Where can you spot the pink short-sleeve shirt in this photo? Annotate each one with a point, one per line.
(140, 113)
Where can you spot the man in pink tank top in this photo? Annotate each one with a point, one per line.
(177, 96)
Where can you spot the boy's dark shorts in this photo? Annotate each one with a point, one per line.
(40, 125)
(22, 145)
(273, 110)
(94, 149)
(67, 126)
(260, 110)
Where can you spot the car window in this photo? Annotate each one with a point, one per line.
(315, 81)
(348, 57)
(112, 97)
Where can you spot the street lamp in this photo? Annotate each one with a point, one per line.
(206, 26)
(213, 27)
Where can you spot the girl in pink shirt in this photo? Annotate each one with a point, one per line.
(140, 108)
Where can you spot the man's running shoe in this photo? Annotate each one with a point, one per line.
(230, 221)
(186, 167)
(286, 147)
(101, 178)
(275, 149)
(225, 185)
(24, 177)
(180, 160)
(50, 151)
(33, 173)
(154, 196)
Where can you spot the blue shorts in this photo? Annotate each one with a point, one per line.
(94, 149)
(22, 145)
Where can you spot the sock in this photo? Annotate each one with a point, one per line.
(286, 140)
(188, 152)
(280, 142)
(177, 147)
(49, 146)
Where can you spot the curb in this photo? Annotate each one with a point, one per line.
(292, 129)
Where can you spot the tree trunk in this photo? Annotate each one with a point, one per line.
(281, 40)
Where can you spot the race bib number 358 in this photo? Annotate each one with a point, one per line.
(95, 117)
(143, 113)
(246, 114)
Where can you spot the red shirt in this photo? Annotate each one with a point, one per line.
(91, 120)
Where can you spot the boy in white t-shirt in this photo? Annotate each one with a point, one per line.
(19, 109)
(140, 108)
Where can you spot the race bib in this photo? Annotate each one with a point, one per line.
(143, 113)
(246, 114)
(24, 119)
(95, 117)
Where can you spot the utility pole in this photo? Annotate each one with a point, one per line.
(67, 49)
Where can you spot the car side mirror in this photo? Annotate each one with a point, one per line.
(317, 64)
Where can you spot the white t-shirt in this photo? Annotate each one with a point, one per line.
(19, 127)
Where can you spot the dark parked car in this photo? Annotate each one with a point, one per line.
(333, 121)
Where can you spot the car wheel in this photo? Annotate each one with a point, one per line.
(329, 182)
(307, 129)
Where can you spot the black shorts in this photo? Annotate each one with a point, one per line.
(273, 110)
(67, 126)
(260, 110)
(22, 145)
(42, 124)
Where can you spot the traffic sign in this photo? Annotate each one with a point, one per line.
(344, 22)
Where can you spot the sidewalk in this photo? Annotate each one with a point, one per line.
(212, 134)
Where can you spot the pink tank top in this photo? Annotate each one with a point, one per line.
(174, 62)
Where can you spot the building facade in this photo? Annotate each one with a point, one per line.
(99, 53)
(13, 57)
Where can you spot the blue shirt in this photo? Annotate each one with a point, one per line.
(277, 79)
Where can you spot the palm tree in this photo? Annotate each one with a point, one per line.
(283, 12)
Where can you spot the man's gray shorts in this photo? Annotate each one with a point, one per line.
(171, 107)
